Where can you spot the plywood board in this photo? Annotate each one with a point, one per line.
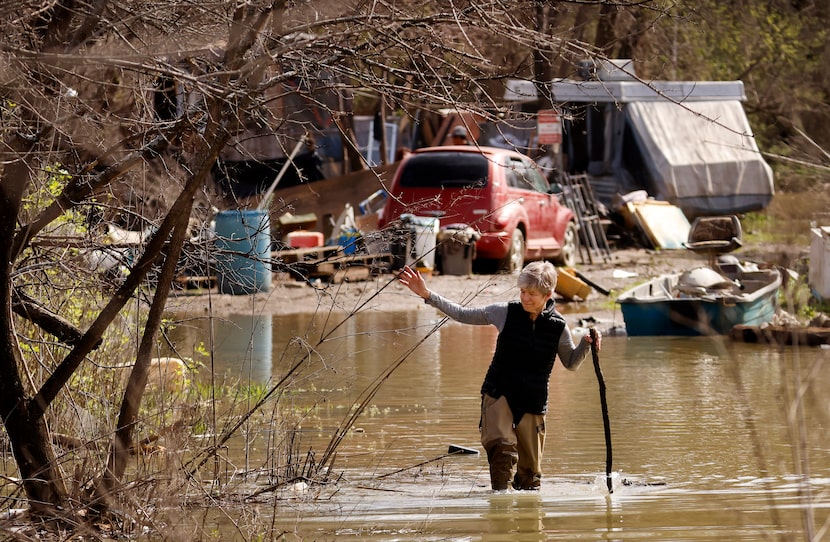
(664, 224)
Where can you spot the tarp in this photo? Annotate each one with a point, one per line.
(701, 155)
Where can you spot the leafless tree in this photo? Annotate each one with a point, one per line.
(81, 132)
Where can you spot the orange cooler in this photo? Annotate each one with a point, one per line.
(304, 239)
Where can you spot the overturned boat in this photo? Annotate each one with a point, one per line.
(709, 299)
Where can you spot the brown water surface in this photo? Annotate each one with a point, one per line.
(708, 440)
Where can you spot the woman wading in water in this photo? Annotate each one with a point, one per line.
(514, 395)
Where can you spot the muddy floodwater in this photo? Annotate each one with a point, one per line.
(711, 439)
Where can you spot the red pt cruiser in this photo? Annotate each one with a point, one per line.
(500, 193)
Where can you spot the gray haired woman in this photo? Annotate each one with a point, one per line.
(514, 395)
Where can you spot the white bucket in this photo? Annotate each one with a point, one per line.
(425, 231)
(819, 275)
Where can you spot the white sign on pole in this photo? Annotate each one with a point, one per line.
(549, 127)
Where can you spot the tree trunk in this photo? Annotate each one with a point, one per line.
(606, 22)
(632, 36)
(541, 59)
(29, 437)
(122, 442)
(584, 14)
(123, 439)
(35, 457)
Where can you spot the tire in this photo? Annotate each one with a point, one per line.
(515, 259)
(570, 246)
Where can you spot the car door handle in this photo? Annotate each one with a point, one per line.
(521, 200)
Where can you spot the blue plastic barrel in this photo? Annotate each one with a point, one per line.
(243, 242)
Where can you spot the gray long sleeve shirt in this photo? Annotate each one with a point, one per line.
(495, 314)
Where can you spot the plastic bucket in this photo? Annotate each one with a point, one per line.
(425, 231)
(819, 273)
(457, 250)
(243, 240)
(349, 241)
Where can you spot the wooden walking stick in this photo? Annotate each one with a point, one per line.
(605, 422)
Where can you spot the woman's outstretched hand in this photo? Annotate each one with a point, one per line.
(413, 280)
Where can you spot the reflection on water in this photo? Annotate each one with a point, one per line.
(243, 345)
(705, 434)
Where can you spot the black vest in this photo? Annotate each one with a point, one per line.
(524, 357)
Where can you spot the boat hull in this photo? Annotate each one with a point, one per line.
(655, 308)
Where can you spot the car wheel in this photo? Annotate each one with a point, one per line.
(515, 259)
(567, 257)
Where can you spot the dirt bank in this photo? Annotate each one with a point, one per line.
(624, 269)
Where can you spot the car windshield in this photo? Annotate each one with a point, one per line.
(445, 169)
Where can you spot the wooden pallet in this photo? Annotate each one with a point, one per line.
(330, 263)
(310, 254)
(195, 282)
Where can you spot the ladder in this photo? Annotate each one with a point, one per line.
(579, 197)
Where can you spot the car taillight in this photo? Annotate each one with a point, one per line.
(499, 220)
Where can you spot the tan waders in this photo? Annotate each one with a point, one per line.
(510, 447)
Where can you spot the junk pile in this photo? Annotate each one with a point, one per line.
(785, 329)
(348, 254)
(355, 249)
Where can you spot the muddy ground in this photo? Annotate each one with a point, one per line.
(623, 269)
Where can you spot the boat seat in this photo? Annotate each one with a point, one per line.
(713, 235)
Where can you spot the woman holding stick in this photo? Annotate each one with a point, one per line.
(514, 394)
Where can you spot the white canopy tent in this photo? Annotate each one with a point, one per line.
(701, 155)
(697, 147)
